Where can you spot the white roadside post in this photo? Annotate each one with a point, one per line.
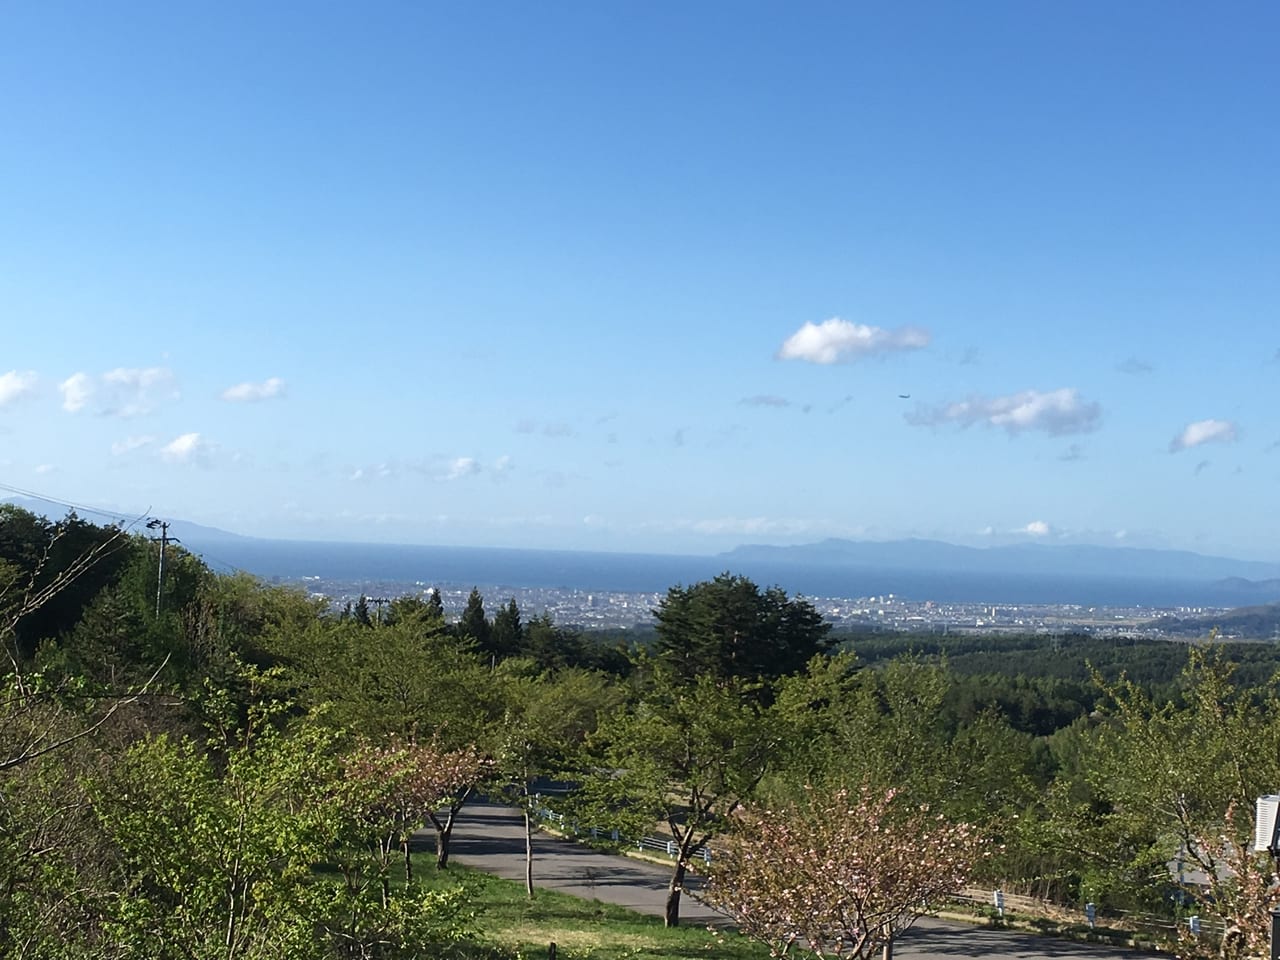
(1265, 840)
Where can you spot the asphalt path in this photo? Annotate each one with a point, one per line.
(489, 837)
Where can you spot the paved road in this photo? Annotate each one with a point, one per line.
(491, 838)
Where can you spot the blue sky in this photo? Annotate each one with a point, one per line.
(651, 277)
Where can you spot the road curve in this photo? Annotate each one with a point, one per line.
(489, 837)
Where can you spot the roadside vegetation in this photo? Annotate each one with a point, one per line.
(195, 765)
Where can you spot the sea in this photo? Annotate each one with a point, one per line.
(595, 572)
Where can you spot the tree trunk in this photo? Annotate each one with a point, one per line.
(444, 829)
(528, 851)
(671, 914)
(408, 860)
(442, 847)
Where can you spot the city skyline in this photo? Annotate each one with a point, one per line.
(655, 280)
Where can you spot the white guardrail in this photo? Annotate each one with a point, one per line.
(658, 844)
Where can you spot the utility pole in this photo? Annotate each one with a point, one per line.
(164, 540)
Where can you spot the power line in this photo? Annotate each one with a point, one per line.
(78, 507)
(127, 520)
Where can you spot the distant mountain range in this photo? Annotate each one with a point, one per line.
(916, 569)
(1031, 559)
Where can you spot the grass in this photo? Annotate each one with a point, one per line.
(510, 925)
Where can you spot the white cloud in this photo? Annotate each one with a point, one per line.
(45, 468)
(187, 448)
(122, 392)
(1036, 528)
(501, 467)
(461, 467)
(1203, 431)
(16, 384)
(121, 447)
(835, 339)
(1056, 412)
(76, 391)
(251, 392)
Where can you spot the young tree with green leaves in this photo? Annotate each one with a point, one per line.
(546, 719)
(687, 755)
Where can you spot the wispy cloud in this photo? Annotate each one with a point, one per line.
(253, 392)
(1036, 528)
(460, 467)
(129, 444)
(1203, 431)
(764, 400)
(1072, 453)
(835, 340)
(1055, 412)
(44, 468)
(17, 384)
(1133, 366)
(187, 448)
(1201, 467)
(751, 526)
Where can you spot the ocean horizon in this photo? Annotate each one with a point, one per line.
(649, 573)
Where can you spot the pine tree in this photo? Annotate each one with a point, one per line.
(508, 633)
(474, 624)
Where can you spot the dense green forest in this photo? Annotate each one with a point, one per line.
(201, 765)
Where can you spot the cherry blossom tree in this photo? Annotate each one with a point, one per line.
(841, 873)
(416, 783)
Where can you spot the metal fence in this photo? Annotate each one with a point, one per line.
(661, 845)
(1089, 916)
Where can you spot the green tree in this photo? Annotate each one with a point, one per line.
(687, 755)
(507, 633)
(435, 605)
(219, 860)
(728, 627)
(1158, 778)
(547, 717)
(474, 624)
(361, 612)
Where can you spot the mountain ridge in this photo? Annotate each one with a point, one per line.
(1025, 558)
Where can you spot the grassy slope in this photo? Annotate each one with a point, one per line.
(511, 925)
